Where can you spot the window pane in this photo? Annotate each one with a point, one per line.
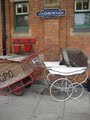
(79, 6)
(19, 8)
(87, 18)
(86, 4)
(22, 21)
(25, 8)
(82, 19)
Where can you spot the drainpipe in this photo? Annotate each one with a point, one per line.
(4, 36)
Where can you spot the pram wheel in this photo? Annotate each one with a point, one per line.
(59, 89)
(77, 90)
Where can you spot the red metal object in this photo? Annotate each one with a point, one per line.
(17, 90)
(17, 48)
(32, 40)
(16, 41)
(28, 48)
(24, 41)
(23, 77)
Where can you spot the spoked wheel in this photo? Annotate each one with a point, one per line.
(77, 90)
(16, 90)
(59, 89)
(51, 78)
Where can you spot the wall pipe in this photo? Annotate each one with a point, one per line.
(4, 36)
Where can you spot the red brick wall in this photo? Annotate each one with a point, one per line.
(36, 23)
(51, 38)
(8, 25)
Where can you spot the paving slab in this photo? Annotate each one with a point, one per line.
(76, 116)
(48, 109)
(18, 107)
(80, 105)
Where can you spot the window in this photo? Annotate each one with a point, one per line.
(82, 15)
(82, 5)
(21, 16)
(51, 3)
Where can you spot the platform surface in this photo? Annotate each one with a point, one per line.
(34, 106)
(13, 57)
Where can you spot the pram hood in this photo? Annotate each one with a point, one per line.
(74, 57)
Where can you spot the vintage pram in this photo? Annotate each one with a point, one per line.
(65, 78)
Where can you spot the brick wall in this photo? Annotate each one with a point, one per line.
(51, 38)
(36, 23)
(8, 25)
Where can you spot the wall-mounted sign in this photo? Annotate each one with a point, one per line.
(51, 13)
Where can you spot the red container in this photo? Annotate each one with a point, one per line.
(17, 48)
(32, 40)
(28, 48)
(24, 41)
(16, 41)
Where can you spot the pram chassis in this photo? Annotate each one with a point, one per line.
(68, 80)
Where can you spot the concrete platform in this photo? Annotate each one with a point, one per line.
(34, 106)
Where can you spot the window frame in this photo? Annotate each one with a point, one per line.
(22, 8)
(48, 4)
(75, 1)
(83, 27)
(20, 28)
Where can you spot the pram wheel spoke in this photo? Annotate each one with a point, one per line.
(59, 89)
(77, 90)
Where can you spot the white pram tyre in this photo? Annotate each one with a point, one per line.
(77, 90)
(59, 89)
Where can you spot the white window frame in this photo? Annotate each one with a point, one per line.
(83, 10)
(21, 28)
(22, 8)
